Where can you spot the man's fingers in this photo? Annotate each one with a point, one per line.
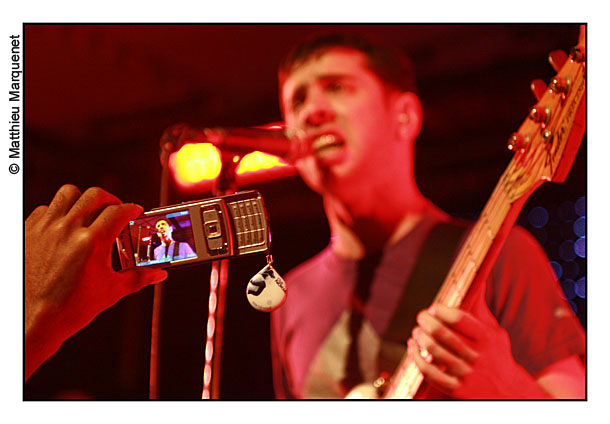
(431, 372)
(453, 364)
(63, 201)
(90, 204)
(461, 321)
(135, 279)
(444, 334)
(36, 215)
(111, 221)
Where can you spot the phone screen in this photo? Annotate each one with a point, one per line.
(162, 238)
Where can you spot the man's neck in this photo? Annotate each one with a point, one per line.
(167, 242)
(358, 231)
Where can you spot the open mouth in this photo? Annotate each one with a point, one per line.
(325, 142)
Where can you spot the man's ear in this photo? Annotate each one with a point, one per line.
(409, 115)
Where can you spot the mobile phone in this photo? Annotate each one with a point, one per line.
(198, 231)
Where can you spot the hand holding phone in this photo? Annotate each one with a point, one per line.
(198, 231)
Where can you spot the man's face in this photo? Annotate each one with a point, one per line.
(164, 230)
(345, 114)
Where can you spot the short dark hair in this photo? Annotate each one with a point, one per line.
(391, 65)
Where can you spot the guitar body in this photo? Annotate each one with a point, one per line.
(364, 391)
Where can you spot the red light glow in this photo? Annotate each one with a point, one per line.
(195, 163)
(258, 161)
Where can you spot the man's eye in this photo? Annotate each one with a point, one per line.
(334, 87)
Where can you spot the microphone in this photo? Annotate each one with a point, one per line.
(238, 140)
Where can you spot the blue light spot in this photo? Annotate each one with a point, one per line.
(568, 288)
(557, 269)
(566, 250)
(579, 247)
(580, 226)
(580, 288)
(580, 206)
(538, 217)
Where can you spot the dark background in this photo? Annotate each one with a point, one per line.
(98, 97)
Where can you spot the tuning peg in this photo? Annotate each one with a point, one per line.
(517, 142)
(560, 85)
(538, 87)
(557, 58)
(540, 114)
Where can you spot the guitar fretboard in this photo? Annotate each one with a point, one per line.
(407, 378)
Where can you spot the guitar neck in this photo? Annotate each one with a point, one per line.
(473, 262)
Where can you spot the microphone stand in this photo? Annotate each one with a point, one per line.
(218, 284)
(155, 336)
(226, 184)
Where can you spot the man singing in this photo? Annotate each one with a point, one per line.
(355, 105)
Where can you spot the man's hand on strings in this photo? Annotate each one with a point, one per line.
(467, 358)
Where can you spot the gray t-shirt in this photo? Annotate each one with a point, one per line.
(310, 332)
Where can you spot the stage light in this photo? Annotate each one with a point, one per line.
(198, 165)
(258, 161)
(579, 247)
(195, 163)
(579, 226)
(538, 217)
(557, 269)
(580, 287)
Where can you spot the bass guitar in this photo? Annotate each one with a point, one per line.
(544, 147)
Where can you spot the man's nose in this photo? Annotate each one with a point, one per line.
(318, 110)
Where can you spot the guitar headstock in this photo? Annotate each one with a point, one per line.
(547, 142)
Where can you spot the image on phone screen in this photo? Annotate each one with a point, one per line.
(162, 238)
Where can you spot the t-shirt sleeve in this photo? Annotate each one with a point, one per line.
(526, 299)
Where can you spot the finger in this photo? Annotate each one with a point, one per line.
(451, 363)
(445, 335)
(90, 204)
(432, 373)
(63, 200)
(462, 321)
(111, 221)
(133, 280)
(36, 215)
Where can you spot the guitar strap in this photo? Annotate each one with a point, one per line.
(176, 254)
(432, 265)
(175, 250)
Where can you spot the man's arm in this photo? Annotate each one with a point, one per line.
(564, 379)
(69, 277)
(467, 358)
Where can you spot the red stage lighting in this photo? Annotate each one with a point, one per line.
(198, 165)
(195, 163)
